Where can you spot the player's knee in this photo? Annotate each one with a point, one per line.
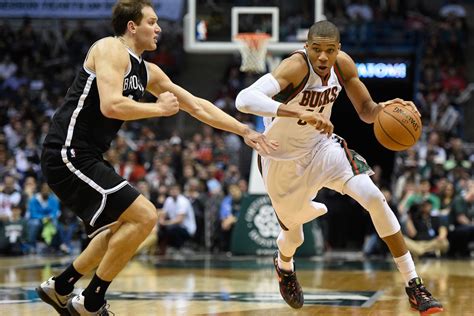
(144, 215)
(374, 201)
(150, 217)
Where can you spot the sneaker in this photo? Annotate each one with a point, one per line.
(422, 300)
(75, 306)
(290, 289)
(48, 294)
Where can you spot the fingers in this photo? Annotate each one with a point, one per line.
(412, 106)
(323, 125)
(261, 143)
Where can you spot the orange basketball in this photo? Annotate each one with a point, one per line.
(397, 127)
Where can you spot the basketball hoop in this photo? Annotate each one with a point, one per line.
(253, 49)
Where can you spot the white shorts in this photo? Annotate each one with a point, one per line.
(292, 185)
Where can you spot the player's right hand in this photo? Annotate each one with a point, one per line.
(168, 104)
(319, 121)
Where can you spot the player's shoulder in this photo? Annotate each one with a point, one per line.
(346, 64)
(297, 60)
(110, 46)
(292, 67)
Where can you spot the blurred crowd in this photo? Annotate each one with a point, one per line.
(197, 179)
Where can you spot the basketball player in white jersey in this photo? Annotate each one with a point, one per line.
(104, 94)
(296, 101)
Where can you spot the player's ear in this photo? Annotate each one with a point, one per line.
(131, 27)
(339, 46)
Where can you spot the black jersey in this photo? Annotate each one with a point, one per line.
(79, 123)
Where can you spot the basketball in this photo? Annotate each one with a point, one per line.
(397, 127)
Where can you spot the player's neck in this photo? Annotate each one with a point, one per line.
(128, 42)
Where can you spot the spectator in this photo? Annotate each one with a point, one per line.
(463, 220)
(426, 233)
(9, 197)
(13, 233)
(194, 192)
(229, 214)
(421, 193)
(43, 212)
(177, 223)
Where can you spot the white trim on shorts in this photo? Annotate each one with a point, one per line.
(70, 166)
(93, 184)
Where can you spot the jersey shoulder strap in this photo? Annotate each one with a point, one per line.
(290, 91)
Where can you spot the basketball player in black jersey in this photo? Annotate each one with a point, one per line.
(103, 95)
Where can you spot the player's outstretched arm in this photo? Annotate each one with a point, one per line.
(111, 61)
(357, 92)
(205, 111)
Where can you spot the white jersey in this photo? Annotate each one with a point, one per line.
(296, 138)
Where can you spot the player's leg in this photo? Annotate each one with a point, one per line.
(57, 290)
(136, 222)
(288, 241)
(363, 190)
(280, 178)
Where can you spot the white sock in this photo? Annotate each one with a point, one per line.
(406, 266)
(283, 265)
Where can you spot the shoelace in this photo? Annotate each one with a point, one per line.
(107, 306)
(291, 283)
(423, 293)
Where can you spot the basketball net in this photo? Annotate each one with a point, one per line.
(253, 49)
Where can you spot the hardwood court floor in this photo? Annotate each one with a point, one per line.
(207, 285)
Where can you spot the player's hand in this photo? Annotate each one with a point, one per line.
(319, 121)
(168, 104)
(405, 103)
(259, 142)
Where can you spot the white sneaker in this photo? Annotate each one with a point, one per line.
(75, 306)
(48, 294)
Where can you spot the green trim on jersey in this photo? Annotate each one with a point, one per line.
(340, 73)
(289, 92)
(358, 164)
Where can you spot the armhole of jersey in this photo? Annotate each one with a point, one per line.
(300, 86)
(147, 73)
(339, 74)
(89, 71)
(129, 67)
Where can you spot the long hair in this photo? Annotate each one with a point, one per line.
(125, 11)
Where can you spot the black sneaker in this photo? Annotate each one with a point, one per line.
(422, 300)
(290, 289)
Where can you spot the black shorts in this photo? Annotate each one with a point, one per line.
(88, 185)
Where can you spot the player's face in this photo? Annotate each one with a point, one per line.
(322, 52)
(148, 30)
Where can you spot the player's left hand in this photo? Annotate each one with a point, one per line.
(259, 142)
(405, 103)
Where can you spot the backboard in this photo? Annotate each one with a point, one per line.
(211, 26)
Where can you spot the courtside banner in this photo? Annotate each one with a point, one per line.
(80, 9)
(257, 229)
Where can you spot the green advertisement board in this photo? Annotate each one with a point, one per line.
(257, 229)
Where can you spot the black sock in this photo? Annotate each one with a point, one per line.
(94, 294)
(64, 283)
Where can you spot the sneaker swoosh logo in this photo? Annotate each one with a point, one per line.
(59, 301)
(413, 300)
